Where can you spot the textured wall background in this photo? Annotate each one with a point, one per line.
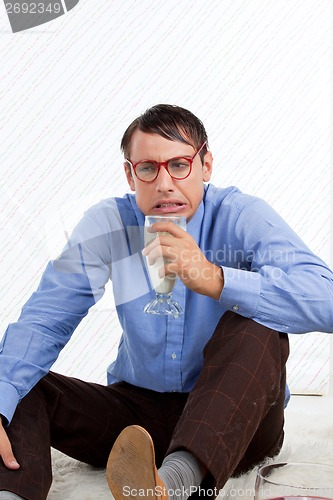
(257, 72)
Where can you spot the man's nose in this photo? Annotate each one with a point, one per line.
(164, 181)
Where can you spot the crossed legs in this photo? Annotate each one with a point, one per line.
(231, 420)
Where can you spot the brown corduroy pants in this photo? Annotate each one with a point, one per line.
(231, 420)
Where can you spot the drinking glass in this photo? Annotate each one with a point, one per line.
(163, 303)
(288, 481)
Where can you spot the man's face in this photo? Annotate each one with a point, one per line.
(167, 196)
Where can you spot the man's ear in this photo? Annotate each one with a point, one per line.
(129, 176)
(207, 167)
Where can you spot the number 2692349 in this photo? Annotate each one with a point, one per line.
(32, 8)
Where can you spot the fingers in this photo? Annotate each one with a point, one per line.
(161, 239)
(182, 256)
(6, 451)
(154, 252)
(167, 227)
(182, 251)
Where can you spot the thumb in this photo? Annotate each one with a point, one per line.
(6, 451)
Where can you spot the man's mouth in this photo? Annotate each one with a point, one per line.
(166, 205)
(169, 207)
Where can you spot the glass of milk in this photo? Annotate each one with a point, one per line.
(163, 303)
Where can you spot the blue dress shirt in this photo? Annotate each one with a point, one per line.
(269, 275)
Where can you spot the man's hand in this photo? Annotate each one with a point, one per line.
(184, 258)
(6, 451)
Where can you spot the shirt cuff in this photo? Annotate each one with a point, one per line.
(9, 399)
(241, 291)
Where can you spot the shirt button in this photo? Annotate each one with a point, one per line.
(235, 307)
(173, 355)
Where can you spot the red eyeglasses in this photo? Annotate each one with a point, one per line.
(178, 168)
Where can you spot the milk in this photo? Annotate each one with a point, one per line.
(165, 284)
(161, 285)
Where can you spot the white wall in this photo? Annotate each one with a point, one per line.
(257, 72)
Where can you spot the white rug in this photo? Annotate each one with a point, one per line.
(309, 438)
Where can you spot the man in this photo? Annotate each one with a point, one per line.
(191, 400)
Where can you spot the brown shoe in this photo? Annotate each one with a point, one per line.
(131, 471)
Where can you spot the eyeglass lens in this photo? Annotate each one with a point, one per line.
(178, 168)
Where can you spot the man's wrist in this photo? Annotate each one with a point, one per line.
(213, 281)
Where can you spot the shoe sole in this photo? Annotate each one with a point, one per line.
(130, 470)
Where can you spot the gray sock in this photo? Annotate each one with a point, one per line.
(181, 474)
(8, 495)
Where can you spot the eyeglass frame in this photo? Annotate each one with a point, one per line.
(159, 164)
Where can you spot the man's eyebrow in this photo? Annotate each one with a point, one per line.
(170, 158)
(182, 156)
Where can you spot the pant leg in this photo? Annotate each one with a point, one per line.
(234, 416)
(82, 420)
(85, 426)
(30, 439)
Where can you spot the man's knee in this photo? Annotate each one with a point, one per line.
(248, 335)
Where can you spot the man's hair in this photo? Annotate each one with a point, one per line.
(172, 122)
